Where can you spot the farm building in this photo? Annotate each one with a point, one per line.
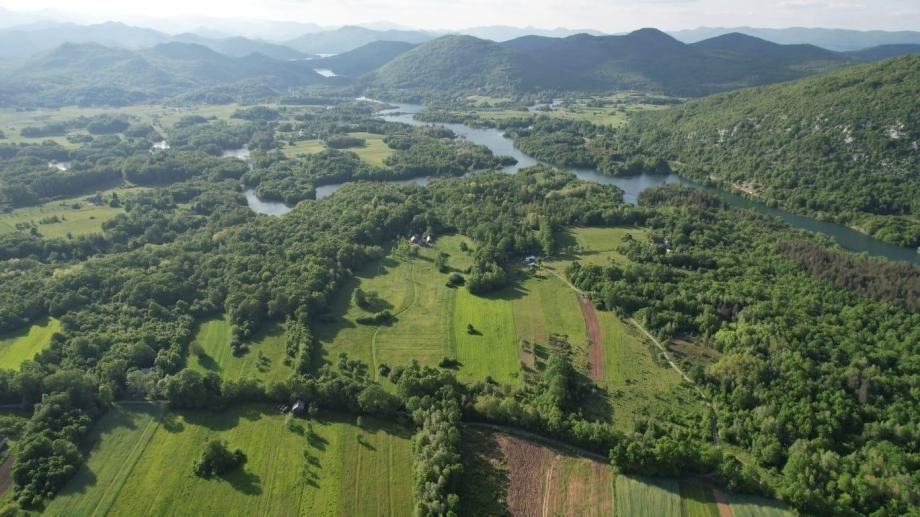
(298, 407)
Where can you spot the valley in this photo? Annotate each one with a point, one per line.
(494, 271)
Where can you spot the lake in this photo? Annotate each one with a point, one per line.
(264, 207)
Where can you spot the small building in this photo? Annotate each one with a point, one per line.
(298, 407)
(530, 261)
(414, 239)
(429, 240)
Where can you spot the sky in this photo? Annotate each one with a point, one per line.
(604, 15)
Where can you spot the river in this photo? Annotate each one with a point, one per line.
(495, 140)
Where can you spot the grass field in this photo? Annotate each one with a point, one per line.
(114, 446)
(210, 352)
(374, 150)
(594, 245)
(750, 506)
(86, 218)
(697, 500)
(23, 345)
(640, 497)
(141, 464)
(432, 318)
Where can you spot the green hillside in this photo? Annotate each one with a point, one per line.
(93, 74)
(840, 146)
(647, 59)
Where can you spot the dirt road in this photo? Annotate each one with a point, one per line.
(595, 339)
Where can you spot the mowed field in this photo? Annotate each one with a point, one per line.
(23, 345)
(140, 463)
(265, 360)
(431, 318)
(374, 150)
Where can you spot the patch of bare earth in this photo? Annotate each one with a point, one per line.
(6, 479)
(725, 509)
(595, 339)
(545, 482)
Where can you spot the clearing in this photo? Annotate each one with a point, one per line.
(373, 152)
(265, 360)
(140, 463)
(58, 219)
(22, 346)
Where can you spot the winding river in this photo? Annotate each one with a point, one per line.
(632, 186)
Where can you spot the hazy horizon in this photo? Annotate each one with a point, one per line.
(612, 17)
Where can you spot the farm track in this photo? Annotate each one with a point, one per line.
(595, 339)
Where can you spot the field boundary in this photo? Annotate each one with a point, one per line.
(406, 306)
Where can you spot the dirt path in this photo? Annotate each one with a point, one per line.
(725, 510)
(6, 479)
(595, 339)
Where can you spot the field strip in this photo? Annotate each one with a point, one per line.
(539, 439)
(406, 306)
(725, 509)
(595, 339)
(133, 457)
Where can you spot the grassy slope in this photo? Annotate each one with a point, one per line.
(697, 500)
(750, 506)
(214, 338)
(332, 474)
(22, 346)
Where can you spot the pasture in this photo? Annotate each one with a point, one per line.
(17, 347)
(141, 464)
(264, 360)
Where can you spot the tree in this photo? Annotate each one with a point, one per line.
(217, 460)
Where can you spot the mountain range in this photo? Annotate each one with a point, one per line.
(92, 74)
(841, 40)
(647, 59)
(18, 44)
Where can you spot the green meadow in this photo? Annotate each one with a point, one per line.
(374, 150)
(140, 463)
(264, 360)
(23, 345)
(58, 219)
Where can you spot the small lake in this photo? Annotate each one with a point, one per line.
(264, 207)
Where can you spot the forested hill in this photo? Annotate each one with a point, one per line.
(646, 59)
(844, 145)
(364, 59)
(92, 74)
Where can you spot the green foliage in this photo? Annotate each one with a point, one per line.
(840, 146)
(217, 459)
